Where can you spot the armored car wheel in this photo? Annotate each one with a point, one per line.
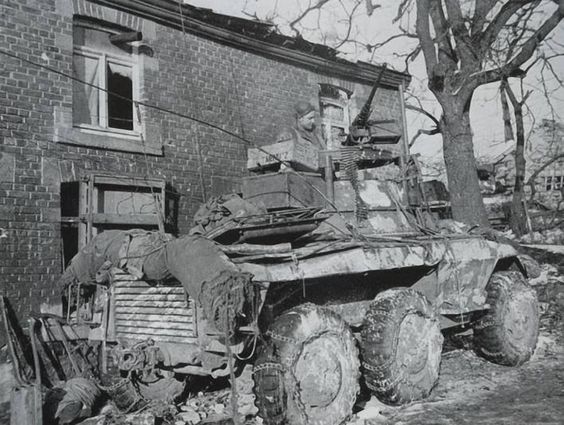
(307, 371)
(401, 346)
(507, 332)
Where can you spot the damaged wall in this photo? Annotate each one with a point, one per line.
(245, 93)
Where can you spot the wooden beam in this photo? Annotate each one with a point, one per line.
(133, 219)
(128, 181)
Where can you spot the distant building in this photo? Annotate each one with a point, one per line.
(546, 142)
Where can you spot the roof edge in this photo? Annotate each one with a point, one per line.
(167, 12)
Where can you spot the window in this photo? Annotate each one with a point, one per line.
(112, 67)
(557, 182)
(553, 182)
(334, 110)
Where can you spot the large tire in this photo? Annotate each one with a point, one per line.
(401, 346)
(507, 332)
(307, 370)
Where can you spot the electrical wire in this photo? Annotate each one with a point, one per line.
(138, 103)
(178, 114)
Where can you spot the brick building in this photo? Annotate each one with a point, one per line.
(71, 147)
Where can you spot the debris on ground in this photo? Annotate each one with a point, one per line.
(554, 236)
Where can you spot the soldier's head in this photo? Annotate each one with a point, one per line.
(305, 115)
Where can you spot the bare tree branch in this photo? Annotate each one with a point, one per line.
(423, 131)
(404, 4)
(349, 24)
(507, 128)
(370, 7)
(525, 53)
(481, 11)
(424, 112)
(502, 17)
(424, 33)
(316, 6)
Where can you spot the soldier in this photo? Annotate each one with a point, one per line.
(304, 129)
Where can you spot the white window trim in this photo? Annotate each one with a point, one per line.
(329, 122)
(103, 58)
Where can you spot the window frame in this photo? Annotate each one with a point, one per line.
(557, 181)
(327, 122)
(131, 61)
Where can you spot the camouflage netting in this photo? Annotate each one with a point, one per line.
(204, 270)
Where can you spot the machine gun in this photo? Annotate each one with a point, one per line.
(359, 127)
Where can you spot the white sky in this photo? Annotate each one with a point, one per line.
(486, 119)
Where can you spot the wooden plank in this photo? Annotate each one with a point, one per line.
(89, 212)
(82, 208)
(131, 219)
(251, 249)
(128, 181)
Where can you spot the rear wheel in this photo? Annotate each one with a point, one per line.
(401, 346)
(507, 332)
(308, 369)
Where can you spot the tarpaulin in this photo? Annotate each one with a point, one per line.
(206, 273)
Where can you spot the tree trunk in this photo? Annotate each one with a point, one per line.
(465, 197)
(518, 218)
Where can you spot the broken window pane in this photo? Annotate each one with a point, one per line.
(120, 88)
(85, 97)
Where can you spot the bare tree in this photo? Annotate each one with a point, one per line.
(460, 49)
(518, 217)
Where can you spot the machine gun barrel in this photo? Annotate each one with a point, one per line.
(361, 120)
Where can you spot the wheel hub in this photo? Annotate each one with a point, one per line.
(319, 372)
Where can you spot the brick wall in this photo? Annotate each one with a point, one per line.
(241, 92)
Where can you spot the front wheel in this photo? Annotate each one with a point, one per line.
(401, 346)
(308, 369)
(507, 332)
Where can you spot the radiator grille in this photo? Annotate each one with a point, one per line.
(162, 313)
